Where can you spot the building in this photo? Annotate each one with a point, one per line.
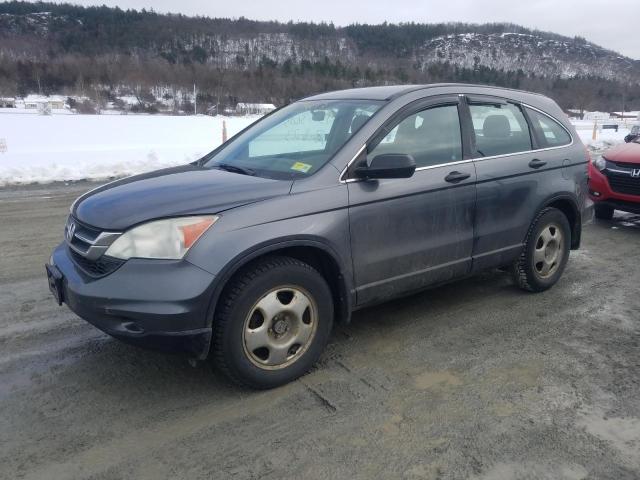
(626, 115)
(254, 108)
(7, 102)
(40, 102)
(599, 116)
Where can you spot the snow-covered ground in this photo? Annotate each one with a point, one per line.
(41, 149)
(604, 138)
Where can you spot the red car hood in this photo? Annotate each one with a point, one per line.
(627, 153)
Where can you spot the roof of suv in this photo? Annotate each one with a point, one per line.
(393, 91)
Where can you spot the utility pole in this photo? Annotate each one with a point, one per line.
(195, 100)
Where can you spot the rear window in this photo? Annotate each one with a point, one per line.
(500, 129)
(549, 131)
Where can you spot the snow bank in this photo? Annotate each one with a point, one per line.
(42, 149)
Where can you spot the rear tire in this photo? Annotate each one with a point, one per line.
(546, 252)
(603, 212)
(273, 322)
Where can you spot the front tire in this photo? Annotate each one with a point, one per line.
(546, 252)
(603, 212)
(273, 322)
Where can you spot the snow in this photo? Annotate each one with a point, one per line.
(31, 111)
(43, 149)
(604, 138)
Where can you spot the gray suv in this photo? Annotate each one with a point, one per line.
(335, 202)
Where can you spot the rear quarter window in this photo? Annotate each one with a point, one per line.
(549, 132)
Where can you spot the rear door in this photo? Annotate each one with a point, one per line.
(410, 233)
(516, 172)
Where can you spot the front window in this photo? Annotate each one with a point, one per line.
(431, 137)
(295, 141)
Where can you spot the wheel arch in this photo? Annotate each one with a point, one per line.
(314, 252)
(568, 205)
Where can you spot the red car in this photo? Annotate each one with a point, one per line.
(614, 180)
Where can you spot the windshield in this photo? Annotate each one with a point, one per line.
(296, 141)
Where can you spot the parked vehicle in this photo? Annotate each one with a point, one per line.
(633, 134)
(614, 180)
(335, 202)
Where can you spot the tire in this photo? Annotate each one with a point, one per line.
(545, 253)
(273, 322)
(603, 212)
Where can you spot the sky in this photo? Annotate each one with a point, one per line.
(612, 24)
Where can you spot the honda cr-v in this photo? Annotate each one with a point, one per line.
(335, 202)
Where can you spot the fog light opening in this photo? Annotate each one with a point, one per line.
(132, 327)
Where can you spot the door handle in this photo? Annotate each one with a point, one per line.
(536, 163)
(455, 177)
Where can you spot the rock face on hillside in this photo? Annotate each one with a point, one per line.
(529, 53)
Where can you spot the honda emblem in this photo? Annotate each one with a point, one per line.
(635, 173)
(71, 230)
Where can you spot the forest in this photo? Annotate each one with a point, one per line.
(102, 52)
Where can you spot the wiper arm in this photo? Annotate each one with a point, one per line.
(234, 169)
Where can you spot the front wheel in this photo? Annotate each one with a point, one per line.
(545, 253)
(603, 212)
(274, 319)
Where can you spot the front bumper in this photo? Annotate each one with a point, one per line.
(601, 193)
(159, 304)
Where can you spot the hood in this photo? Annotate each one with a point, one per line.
(171, 192)
(625, 153)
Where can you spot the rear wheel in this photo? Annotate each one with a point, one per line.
(546, 252)
(274, 320)
(603, 212)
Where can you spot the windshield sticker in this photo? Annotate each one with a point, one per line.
(301, 167)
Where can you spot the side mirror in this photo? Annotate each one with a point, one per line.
(388, 165)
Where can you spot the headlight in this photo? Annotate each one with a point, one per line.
(600, 163)
(166, 239)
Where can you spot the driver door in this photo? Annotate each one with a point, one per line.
(410, 233)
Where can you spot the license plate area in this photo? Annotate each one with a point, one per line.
(54, 277)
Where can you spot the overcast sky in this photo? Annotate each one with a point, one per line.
(613, 24)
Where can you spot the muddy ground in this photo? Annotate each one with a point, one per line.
(472, 380)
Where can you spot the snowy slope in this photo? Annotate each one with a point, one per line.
(40, 149)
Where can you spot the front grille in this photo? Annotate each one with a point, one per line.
(626, 165)
(624, 184)
(87, 246)
(83, 237)
(96, 268)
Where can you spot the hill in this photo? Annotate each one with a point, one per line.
(101, 51)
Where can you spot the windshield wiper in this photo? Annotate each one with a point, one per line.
(234, 169)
